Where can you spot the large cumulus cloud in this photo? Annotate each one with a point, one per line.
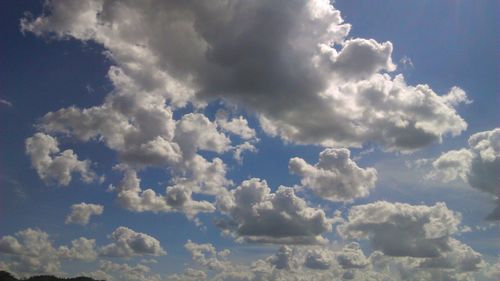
(287, 60)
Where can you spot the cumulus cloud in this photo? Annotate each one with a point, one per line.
(128, 243)
(124, 272)
(241, 51)
(256, 214)
(237, 126)
(319, 259)
(399, 229)
(335, 177)
(177, 198)
(53, 165)
(352, 256)
(31, 251)
(80, 249)
(81, 213)
(329, 262)
(206, 255)
(476, 165)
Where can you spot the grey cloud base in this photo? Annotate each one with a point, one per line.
(243, 51)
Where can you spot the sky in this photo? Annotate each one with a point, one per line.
(250, 140)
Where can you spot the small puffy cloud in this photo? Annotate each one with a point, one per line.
(81, 213)
(282, 259)
(361, 58)
(456, 96)
(237, 126)
(319, 259)
(125, 272)
(335, 177)
(206, 255)
(452, 165)
(239, 149)
(128, 243)
(189, 274)
(195, 131)
(53, 165)
(352, 256)
(477, 165)
(399, 229)
(258, 215)
(80, 249)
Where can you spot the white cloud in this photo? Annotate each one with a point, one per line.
(335, 177)
(237, 126)
(256, 214)
(399, 229)
(80, 249)
(194, 131)
(477, 165)
(132, 197)
(125, 272)
(31, 251)
(128, 243)
(6, 102)
(206, 255)
(81, 213)
(242, 52)
(51, 164)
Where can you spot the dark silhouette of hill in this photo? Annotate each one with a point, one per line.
(5, 276)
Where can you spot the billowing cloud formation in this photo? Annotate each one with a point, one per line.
(335, 177)
(352, 256)
(128, 243)
(53, 165)
(207, 256)
(478, 165)
(258, 215)
(31, 251)
(319, 259)
(326, 263)
(81, 213)
(242, 51)
(177, 198)
(237, 126)
(399, 229)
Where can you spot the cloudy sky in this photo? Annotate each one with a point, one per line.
(250, 140)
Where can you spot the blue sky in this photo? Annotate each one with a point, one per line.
(52, 65)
